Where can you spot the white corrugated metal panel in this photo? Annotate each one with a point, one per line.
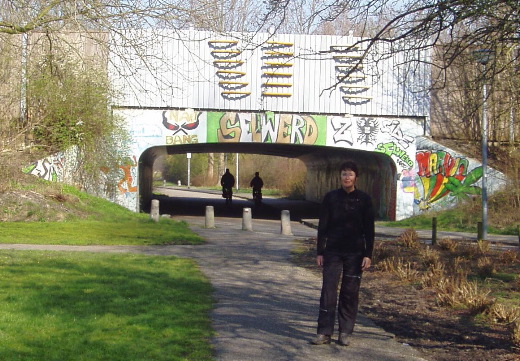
(261, 72)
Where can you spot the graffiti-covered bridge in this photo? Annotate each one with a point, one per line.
(320, 99)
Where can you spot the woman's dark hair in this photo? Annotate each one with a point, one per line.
(349, 165)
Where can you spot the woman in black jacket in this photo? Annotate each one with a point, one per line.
(344, 250)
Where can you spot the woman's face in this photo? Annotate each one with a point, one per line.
(348, 179)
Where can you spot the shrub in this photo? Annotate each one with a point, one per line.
(483, 246)
(406, 271)
(515, 333)
(447, 244)
(485, 267)
(381, 252)
(467, 250)
(432, 276)
(409, 238)
(509, 257)
(459, 292)
(503, 314)
(430, 257)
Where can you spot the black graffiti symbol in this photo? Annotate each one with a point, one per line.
(367, 130)
(341, 127)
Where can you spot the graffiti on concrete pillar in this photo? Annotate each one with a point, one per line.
(442, 174)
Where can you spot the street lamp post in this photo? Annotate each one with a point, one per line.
(483, 56)
(188, 156)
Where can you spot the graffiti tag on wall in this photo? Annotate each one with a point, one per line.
(442, 174)
(392, 149)
(49, 168)
(393, 128)
(267, 128)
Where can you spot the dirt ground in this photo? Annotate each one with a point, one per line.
(442, 334)
(413, 316)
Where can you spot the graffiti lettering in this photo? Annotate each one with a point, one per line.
(393, 127)
(255, 127)
(342, 130)
(230, 129)
(296, 129)
(391, 149)
(432, 163)
(181, 139)
(442, 174)
(267, 128)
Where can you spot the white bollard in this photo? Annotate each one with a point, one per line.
(247, 223)
(154, 211)
(210, 217)
(286, 223)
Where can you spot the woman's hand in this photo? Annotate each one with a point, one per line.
(366, 263)
(319, 261)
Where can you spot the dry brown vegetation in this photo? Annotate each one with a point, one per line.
(457, 300)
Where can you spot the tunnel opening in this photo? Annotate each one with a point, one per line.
(377, 177)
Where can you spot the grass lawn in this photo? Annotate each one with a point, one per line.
(139, 230)
(91, 306)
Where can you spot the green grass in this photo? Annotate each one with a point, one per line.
(140, 230)
(91, 306)
(94, 221)
(456, 220)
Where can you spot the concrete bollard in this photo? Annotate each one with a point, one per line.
(286, 223)
(154, 212)
(210, 217)
(247, 222)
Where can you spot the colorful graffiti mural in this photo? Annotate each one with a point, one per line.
(442, 174)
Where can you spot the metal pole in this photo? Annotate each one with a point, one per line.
(434, 231)
(484, 160)
(237, 171)
(188, 155)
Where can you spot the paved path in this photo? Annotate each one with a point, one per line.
(266, 308)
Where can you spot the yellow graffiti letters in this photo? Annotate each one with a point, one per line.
(181, 139)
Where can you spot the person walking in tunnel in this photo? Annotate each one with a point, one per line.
(344, 250)
(227, 182)
(257, 183)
